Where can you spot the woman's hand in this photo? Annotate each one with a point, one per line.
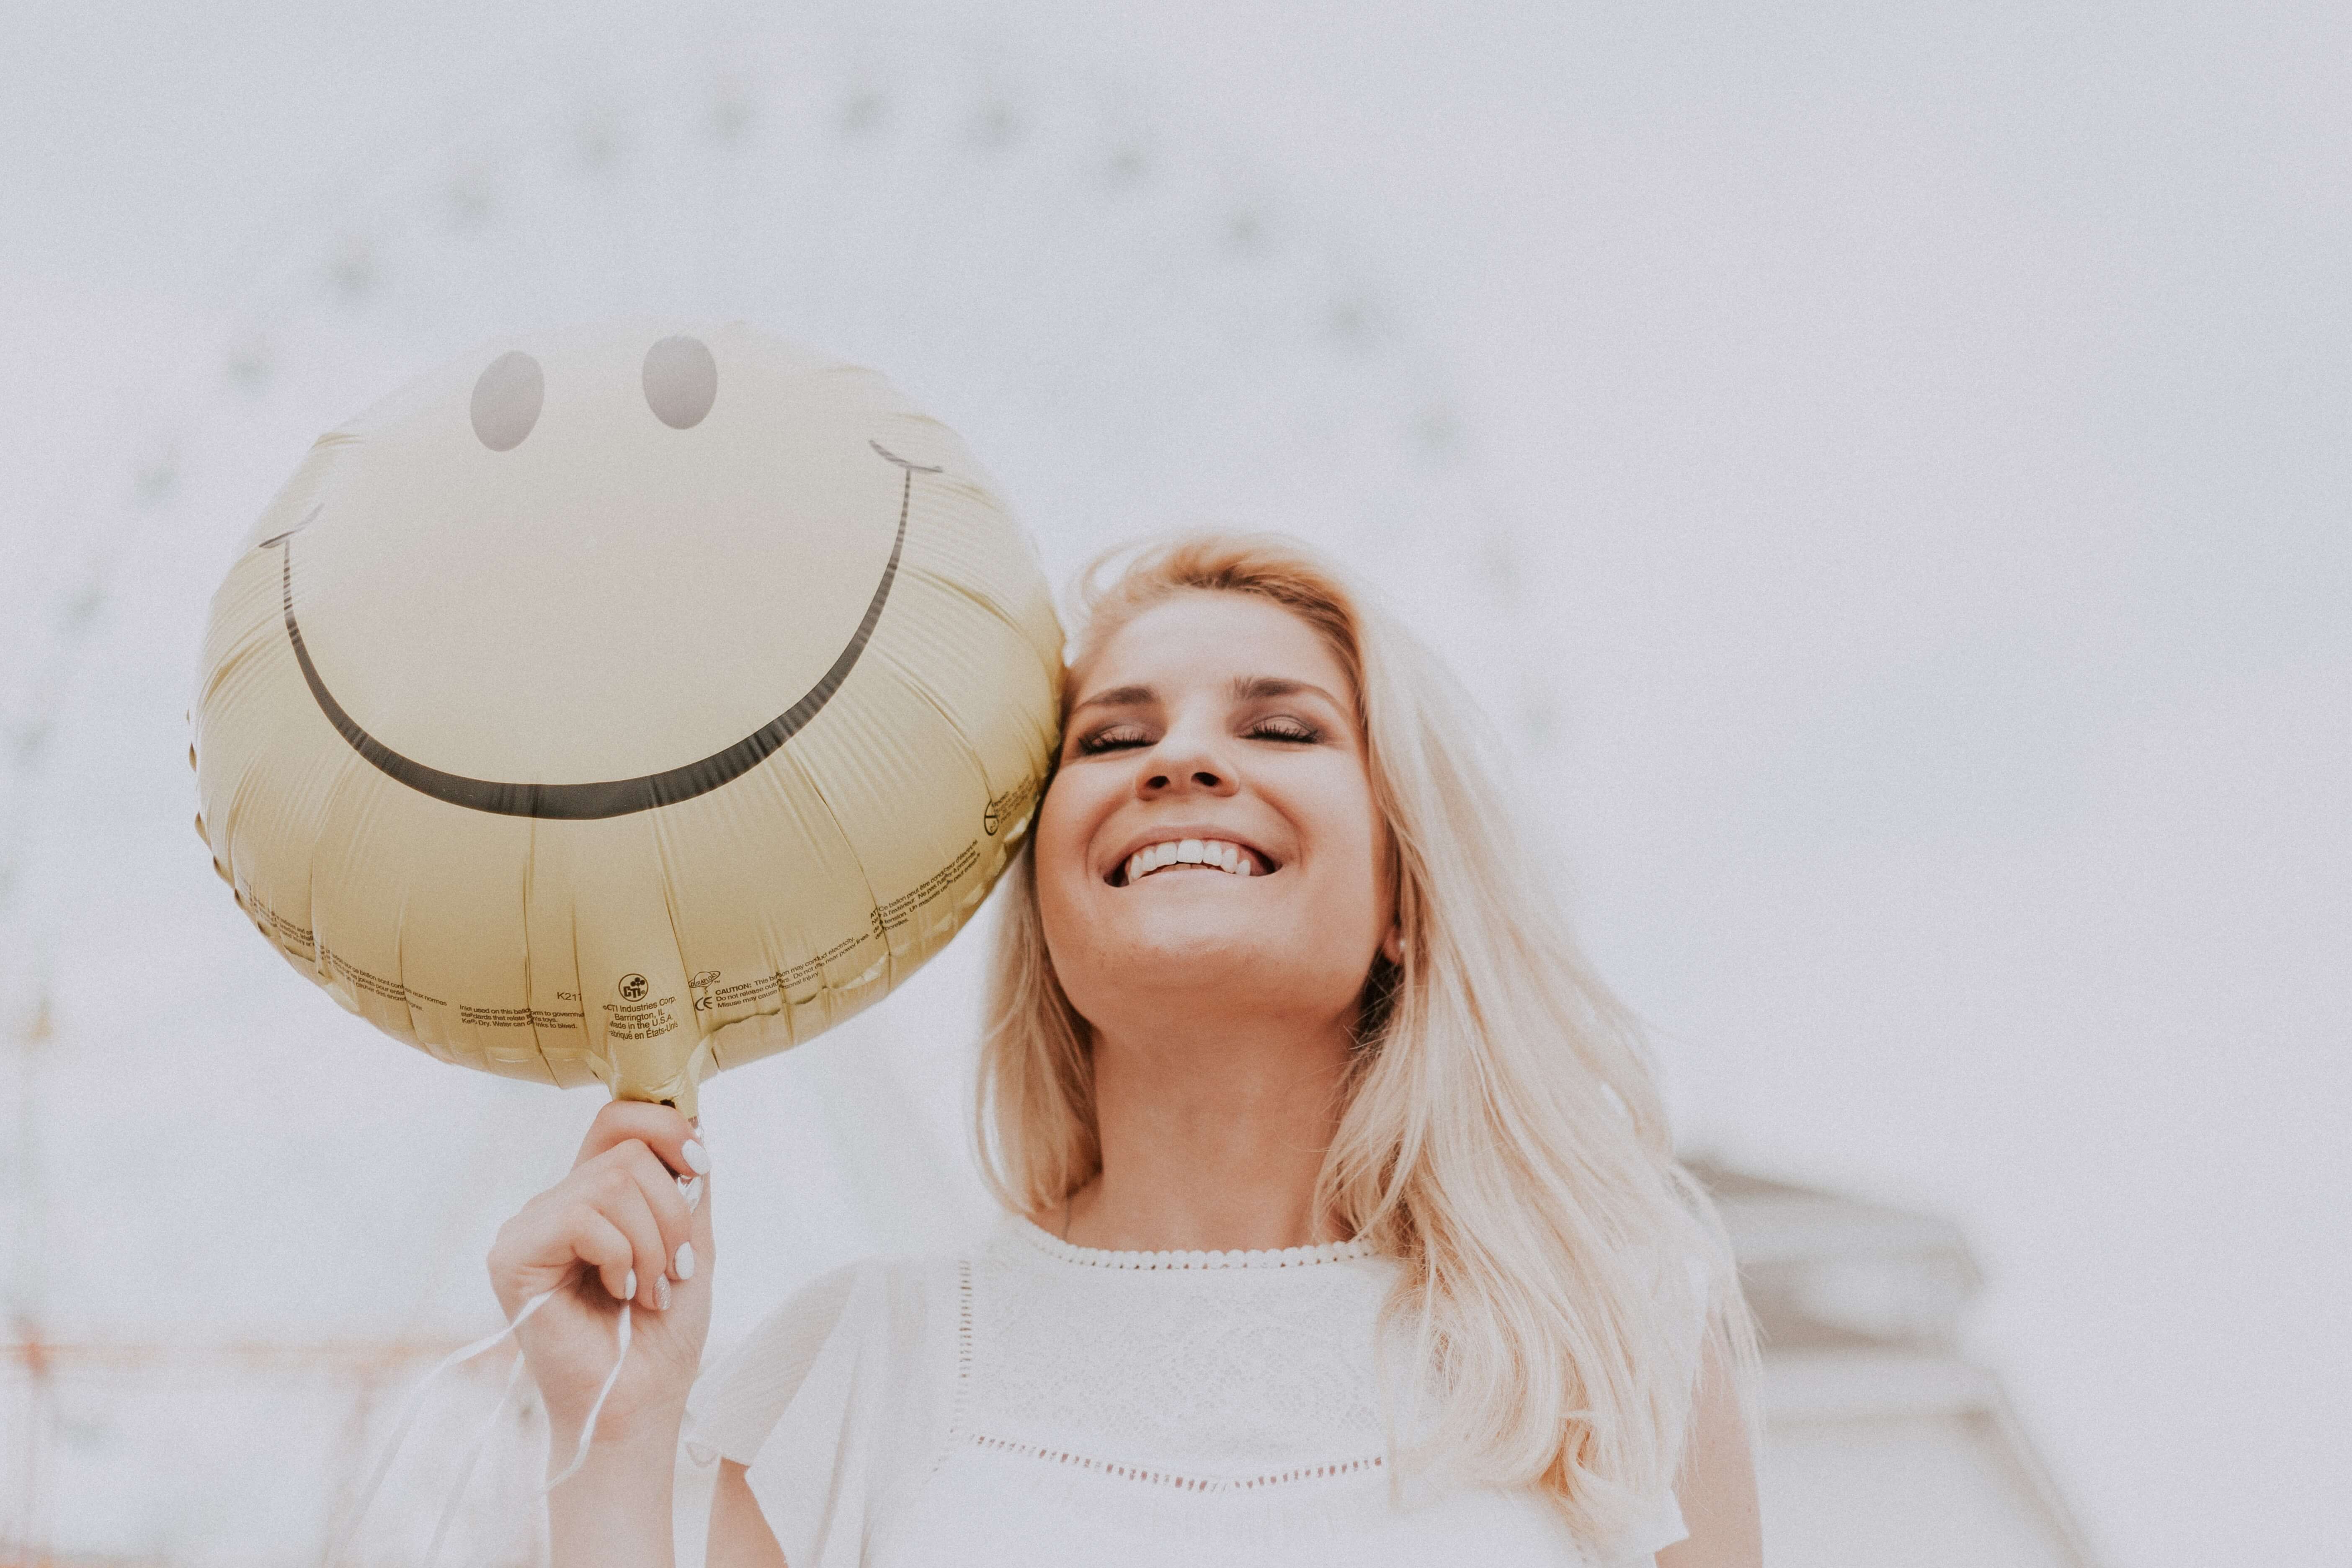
(632, 1221)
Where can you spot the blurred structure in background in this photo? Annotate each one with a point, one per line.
(1883, 1444)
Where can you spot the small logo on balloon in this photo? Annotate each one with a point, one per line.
(633, 987)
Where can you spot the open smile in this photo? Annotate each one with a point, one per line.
(1168, 857)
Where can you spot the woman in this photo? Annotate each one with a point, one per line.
(1342, 1223)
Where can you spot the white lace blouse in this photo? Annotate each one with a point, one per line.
(1035, 1402)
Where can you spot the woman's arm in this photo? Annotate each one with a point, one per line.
(616, 1511)
(1716, 1487)
(740, 1536)
(619, 1228)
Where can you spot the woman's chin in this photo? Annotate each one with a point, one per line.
(1199, 941)
(1170, 917)
(1175, 947)
(1197, 963)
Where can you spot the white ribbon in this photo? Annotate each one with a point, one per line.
(417, 1403)
(588, 1427)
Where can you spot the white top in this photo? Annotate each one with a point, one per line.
(1035, 1402)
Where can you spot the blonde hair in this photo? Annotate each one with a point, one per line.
(1503, 1134)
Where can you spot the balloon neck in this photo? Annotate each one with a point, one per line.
(679, 1097)
(677, 1090)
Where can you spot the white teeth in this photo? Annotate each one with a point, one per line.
(1228, 857)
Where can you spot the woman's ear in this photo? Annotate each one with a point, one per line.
(1393, 944)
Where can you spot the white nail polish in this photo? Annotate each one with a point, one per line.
(690, 1189)
(684, 1266)
(628, 1291)
(661, 1294)
(696, 1160)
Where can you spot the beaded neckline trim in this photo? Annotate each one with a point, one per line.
(1210, 1485)
(1097, 1257)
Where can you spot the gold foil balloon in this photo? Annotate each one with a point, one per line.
(619, 704)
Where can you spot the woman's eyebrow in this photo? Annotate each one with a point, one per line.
(1247, 687)
(1119, 697)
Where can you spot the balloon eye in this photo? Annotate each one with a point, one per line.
(507, 400)
(681, 382)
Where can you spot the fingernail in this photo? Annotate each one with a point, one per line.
(684, 1266)
(661, 1294)
(628, 1291)
(690, 1189)
(696, 1160)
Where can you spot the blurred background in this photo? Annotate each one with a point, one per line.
(1888, 471)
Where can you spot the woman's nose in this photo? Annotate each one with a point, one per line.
(1180, 765)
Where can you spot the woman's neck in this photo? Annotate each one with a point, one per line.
(1212, 1137)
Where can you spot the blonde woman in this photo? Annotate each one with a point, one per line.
(1341, 1222)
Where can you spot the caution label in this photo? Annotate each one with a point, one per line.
(517, 1018)
(900, 909)
(295, 939)
(1010, 809)
(709, 997)
(359, 979)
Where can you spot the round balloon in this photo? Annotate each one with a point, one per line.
(623, 703)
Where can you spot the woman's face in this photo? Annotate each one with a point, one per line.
(1210, 845)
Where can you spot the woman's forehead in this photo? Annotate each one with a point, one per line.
(1201, 636)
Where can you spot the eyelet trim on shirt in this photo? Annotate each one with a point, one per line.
(961, 1411)
(964, 1320)
(1205, 1484)
(1096, 1258)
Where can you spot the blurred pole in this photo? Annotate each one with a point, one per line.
(26, 1296)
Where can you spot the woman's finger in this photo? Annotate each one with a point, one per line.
(666, 1195)
(659, 1127)
(605, 1246)
(696, 1189)
(611, 1188)
(539, 1248)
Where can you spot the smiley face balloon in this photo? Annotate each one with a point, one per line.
(619, 704)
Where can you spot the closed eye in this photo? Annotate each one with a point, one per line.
(1112, 737)
(1285, 727)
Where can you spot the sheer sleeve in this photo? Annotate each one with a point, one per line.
(1658, 1529)
(739, 1398)
(1683, 1293)
(834, 1402)
(736, 1403)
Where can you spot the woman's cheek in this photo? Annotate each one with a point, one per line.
(1061, 856)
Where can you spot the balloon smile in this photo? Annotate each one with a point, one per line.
(612, 797)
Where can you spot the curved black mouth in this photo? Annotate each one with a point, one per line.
(611, 797)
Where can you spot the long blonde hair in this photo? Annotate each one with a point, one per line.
(1503, 1135)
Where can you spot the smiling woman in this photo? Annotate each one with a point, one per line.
(1342, 1224)
(1211, 719)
